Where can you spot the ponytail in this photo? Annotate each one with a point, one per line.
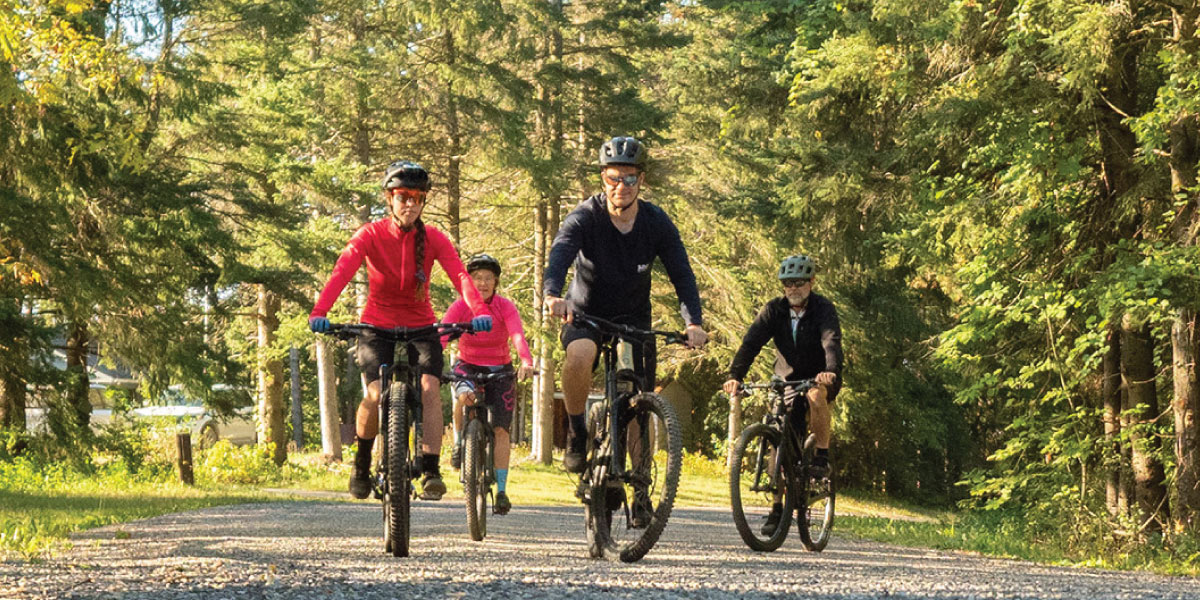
(419, 254)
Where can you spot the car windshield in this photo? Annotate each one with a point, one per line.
(177, 397)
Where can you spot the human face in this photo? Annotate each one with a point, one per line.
(796, 290)
(406, 204)
(485, 282)
(621, 195)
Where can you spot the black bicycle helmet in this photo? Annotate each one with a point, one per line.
(406, 174)
(623, 151)
(483, 261)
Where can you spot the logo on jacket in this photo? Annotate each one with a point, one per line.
(643, 268)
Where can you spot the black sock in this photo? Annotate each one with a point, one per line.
(429, 463)
(822, 457)
(578, 431)
(362, 460)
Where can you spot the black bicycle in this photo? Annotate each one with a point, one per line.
(399, 410)
(478, 441)
(631, 420)
(772, 463)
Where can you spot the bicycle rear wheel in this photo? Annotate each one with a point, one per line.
(475, 488)
(643, 501)
(398, 490)
(814, 520)
(756, 480)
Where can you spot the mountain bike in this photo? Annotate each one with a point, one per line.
(399, 411)
(631, 420)
(772, 463)
(478, 441)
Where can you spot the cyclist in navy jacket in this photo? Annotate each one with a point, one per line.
(612, 238)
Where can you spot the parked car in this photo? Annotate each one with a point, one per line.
(204, 423)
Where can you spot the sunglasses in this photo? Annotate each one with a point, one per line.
(406, 196)
(628, 180)
(795, 283)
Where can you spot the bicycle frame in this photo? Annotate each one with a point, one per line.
(792, 444)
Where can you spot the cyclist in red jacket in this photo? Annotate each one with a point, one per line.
(399, 251)
(489, 353)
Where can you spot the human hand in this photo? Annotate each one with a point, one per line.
(731, 386)
(482, 323)
(696, 336)
(319, 324)
(826, 378)
(524, 371)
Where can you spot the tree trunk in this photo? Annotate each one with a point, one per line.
(331, 432)
(1111, 392)
(542, 442)
(80, 408)
(1137, 363)
(12, 401)
(1187, 436)
(453, 147)
(270, 378)
(735, 426)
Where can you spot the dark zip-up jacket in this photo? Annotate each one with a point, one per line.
(817, 348)
(612, 269)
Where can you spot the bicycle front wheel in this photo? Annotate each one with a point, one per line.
(814, 520)
(475, 488)
(756, 484)
(646, 496)
(398, 490)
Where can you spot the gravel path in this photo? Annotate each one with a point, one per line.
(319, 550)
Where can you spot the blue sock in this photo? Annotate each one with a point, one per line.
(501, 479)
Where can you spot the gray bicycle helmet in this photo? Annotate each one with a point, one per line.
(483, 261)
(623, 151)
(406, 174)
(797, 266)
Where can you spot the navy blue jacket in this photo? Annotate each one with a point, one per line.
(612, 269)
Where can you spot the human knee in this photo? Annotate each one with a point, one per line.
(818, 397)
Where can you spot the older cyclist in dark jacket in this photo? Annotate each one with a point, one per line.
(808, 345)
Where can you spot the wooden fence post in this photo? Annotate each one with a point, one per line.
(183, 447)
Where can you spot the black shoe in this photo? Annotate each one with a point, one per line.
(456, 457)
(432, 486)
(772, 523)
(360, 483)
(575, 458)
(502, 504)
(819, 469)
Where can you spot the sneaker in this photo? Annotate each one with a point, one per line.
(772, 523)
(456, 457)
(432, 486)
(640, 513)
(575, 458)
(502, 504)
(360, 483)
(819, 469)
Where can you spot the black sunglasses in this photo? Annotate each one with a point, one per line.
(793, 283)
(628, 180)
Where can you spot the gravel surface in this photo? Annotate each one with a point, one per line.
(311, 550)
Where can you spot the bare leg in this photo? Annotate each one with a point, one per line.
(819, 415)
(367, 421)
(432, 421)
(502, 449)
(577, 375)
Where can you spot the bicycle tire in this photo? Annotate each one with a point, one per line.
(656, 407)
(751, 496)
(398, 493)
(814, 515)
(475, 488)
(596, 519)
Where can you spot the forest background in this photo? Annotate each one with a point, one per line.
(1001, 198)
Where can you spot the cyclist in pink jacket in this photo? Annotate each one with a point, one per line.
(399, 251)
(489, 353)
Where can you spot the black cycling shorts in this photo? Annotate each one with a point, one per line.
(375, 351)
(571, 332)
(497, 395)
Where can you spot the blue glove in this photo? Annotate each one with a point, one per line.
(482, 323)
(319, 324)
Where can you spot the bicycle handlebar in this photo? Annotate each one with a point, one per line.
(478, 377)
(778, 385)
(346, 331)
(627, 332)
